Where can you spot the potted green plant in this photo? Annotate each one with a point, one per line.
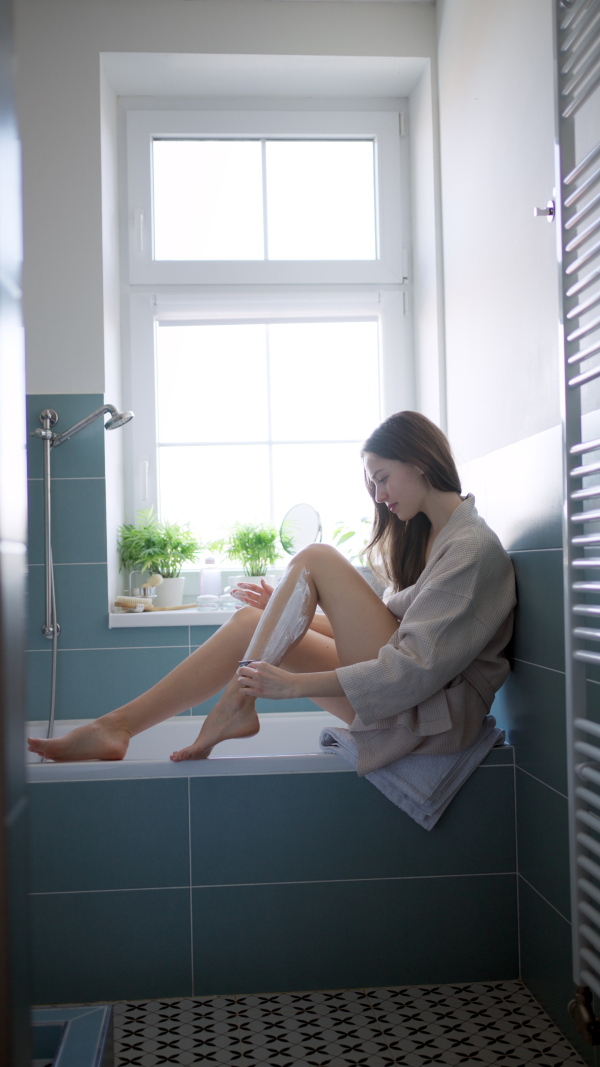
(255, 545)
(158, 548)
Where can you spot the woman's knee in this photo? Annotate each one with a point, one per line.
(245, 619)
(318, 554)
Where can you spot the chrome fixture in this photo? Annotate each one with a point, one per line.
(549, 211)
(50, 439)
(48, 417)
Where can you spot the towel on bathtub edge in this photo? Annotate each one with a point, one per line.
(421, 786)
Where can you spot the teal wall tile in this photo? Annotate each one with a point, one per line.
(263, 707)
(284, 828)
(93, 682)
(251, 939)
(78, 520)
(109, 835)
(39, 666)
(544, 841)
(539, 627)
(82, 611)
(199, 635)
(524, 492)
(504, 755)
(111, 946)
(531, 707)
(81, 457)
(546, 962)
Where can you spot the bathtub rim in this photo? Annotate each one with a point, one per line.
(216, 766)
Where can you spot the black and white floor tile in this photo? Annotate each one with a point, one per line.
(479, 1024)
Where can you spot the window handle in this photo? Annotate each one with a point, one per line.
(139, 229)
(144, 472)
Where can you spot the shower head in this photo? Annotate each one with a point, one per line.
(118, 419)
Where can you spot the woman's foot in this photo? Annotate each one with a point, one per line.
(232, 717)
(96, 740)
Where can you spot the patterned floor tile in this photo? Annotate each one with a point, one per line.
(453, 1025)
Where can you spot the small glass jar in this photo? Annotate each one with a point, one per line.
(228, 603)
(207, 602)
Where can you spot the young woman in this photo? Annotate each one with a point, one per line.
(416, 671)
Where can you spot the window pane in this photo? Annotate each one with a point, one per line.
(211, 383)
(331, 372)
(321, 200)
(213, 487)
(207, 200)
(330, 477)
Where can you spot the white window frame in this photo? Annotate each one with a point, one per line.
(383, 127)
(221, 291)
(147, 309)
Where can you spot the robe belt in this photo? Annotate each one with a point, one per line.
(477, 679)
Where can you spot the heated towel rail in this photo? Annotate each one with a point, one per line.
(577, 209)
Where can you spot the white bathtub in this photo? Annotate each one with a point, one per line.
(288, 743)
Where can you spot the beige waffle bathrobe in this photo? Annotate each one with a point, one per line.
(433, 683)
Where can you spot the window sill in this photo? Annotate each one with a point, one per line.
(126, 620)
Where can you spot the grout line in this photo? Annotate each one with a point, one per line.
(106, 648)
(73, 478)
(542, 897)
(89, 563)
(189, 814)
(246, 885)
(540, 666)
(541, 781)
(343, 881)
(517, 551)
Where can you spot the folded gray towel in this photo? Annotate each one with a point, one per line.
(422, 786)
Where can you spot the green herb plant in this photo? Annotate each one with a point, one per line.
(253, 545)
(354, 541)
(155, 546)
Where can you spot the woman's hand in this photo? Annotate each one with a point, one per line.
(256, 596)
(260, 679)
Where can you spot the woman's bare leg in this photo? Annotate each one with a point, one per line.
(361, 625)
(360, 621)
(196, 679)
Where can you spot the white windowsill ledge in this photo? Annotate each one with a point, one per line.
(126, 620)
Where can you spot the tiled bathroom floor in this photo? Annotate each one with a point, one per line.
(484, 1023)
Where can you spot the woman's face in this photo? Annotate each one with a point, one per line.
(401, 486)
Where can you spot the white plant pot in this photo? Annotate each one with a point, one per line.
(169, 594)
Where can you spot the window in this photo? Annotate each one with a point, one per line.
(267, 310)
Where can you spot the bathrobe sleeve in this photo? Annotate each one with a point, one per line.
(461, 604)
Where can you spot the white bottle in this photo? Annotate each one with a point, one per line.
(210, 578)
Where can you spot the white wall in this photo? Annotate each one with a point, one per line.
(427, 266)
(69, 289)
(496, 91)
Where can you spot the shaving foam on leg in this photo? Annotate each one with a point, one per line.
(284, 620)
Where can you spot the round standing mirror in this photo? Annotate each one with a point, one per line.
(301, 526)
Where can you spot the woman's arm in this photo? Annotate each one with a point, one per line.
(261, 679)
(258, 596)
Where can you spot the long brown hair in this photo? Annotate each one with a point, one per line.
(396, 546)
